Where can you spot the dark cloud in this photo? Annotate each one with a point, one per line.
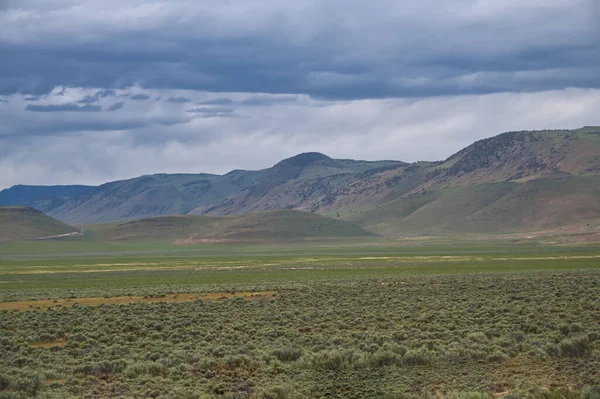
(116, 106)
(332, 49)
(179, 100)
(91, 99)
(69, 107)
(139, 97)
(31, 98)
(3, 100)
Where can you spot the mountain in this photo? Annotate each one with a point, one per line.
(25, 223)
(303, 182)
(516, 181)
(170, 194)
(254, 227)
(43, 198)
(146, 196)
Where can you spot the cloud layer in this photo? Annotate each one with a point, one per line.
(328, 48)
(94, 91)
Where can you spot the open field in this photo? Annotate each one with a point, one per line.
(440, 317)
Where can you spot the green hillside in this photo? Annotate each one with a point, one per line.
(538, 204)
(264, 226)
(24, 223)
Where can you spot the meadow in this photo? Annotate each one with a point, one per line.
(453, 318)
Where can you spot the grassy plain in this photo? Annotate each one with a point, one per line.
(469, 317)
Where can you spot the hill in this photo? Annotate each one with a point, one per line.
(24, 223)
(254, 227)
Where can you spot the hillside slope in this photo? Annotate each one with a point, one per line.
(146, 196)
(514, 157)
(309, 181)
(520, 156)
(24, 223)
(264, 226)
(538, 204)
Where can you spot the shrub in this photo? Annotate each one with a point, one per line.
(385, 358)
(575, 347)
(334, 360)
(288, 354)
(592, 392)
(5, 382)
(415, 357)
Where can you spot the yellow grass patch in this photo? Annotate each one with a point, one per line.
(124, 300)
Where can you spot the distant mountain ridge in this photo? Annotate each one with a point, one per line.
(43, 198)
(515, 181)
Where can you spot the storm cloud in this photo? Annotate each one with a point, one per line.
(330, 48)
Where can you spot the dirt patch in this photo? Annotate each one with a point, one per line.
(46, 304)
(48, 345)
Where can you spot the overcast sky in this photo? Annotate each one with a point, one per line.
(93, 91)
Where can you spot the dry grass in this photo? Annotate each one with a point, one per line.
(45, 304)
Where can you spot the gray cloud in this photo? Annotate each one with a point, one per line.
(179, 100)
(69, 107)
(91, 99)
(139, 97)
(116, 106)
(329, 49)
(218, 85)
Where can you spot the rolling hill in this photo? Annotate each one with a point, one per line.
(24, 223)
(254, 227)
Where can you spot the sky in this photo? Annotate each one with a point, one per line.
(94, 91)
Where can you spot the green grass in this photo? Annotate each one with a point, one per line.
(87, 264)
(351, 319)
